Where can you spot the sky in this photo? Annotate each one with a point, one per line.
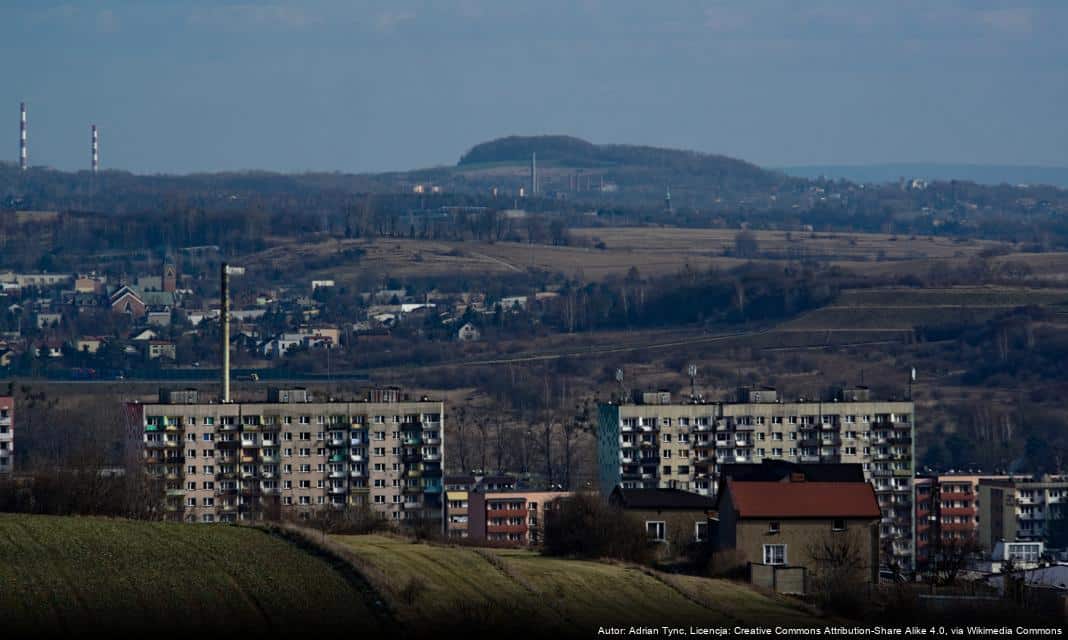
(358, 86)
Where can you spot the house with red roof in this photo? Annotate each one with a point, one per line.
(818, 526)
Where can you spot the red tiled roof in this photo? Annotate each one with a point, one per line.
(804, 499)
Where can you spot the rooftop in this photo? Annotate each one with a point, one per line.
(803, 499)
(660, 499)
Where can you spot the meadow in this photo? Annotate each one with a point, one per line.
(66, 575)
(433, 584)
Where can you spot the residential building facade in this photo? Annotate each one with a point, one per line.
(509, 517)
(1012, 510)
(791, 523)
(675, 519)
(7, 435)
(656, 443)
(289, 456)
(947, 509)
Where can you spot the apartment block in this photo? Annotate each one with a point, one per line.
(947, 508)
(289, 456)
(511, 517)
(7, 435)
(1020, 510)
(654, 442)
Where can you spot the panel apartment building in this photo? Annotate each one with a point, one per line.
(1017, 509)
(290, 456)
(7, 435)
(656, 443)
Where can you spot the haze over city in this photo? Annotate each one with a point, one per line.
(371, 86)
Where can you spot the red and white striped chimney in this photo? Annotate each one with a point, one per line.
(96, 150)
(23, 156)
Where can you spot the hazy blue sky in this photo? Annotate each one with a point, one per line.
(365, 86)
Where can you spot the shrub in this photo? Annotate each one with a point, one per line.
(587, 527)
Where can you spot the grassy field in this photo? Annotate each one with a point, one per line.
(425, 583)
(897, 309)
(653, 250)
(62, 575)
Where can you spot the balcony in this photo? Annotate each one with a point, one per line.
(412, 440)
(356, 457)
(432, 457)
(338, 473)
(412, 488)
(355, 473)
(336, 491)
(338, 443)
(413, 505)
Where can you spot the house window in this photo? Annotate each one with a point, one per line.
(773, 527)
(838, 525)
(774, 554)
(700, 531)
(655, 529)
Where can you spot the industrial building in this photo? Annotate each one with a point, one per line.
(653, 442)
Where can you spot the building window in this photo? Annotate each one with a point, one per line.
(656, 530)
(774, 554)
(700, 531)
(773, 527)
(838, 525)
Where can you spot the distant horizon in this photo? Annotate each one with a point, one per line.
(804, 170)
(323, 85)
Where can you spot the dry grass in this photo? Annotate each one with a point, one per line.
(62, 575)
(557, 595)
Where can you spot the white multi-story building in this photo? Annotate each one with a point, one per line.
(222, 462)
(655, 443)
(1012, 510)
(7, 435)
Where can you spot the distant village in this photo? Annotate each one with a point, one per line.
(92, 325)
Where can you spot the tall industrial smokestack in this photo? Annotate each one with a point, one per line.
(224, 318)
(96, 150)
(533, 174)
(23, 156)
(225, 272)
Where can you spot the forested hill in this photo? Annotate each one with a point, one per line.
(568, 151)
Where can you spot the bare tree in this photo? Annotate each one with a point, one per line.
(461, 441)
(949, 556)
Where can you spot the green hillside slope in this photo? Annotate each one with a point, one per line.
(433, 585)
(67, 575)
